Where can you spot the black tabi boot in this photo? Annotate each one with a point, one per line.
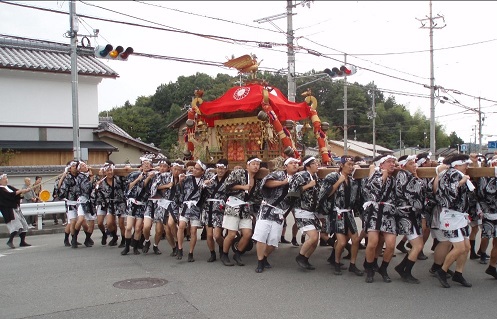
(179, 254)
(87, 242)
(266, 263)
(104, 238)
(238, 259)
(135, 244)
(409, 278)
(383, 272)
(146, 246)
(174, 253)
(123, 242)
(66, 240)
(400, 268)
(10, 242)
(260, 266)
(368, 267)
(127, 244)
(74, 239)
(212, 257)
(225, 259)
(113, 241)
(23, 240)
(156, 250)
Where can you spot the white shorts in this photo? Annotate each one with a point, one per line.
(457, 235)
(268, 232)
(414, 235)
(307, 228)
(101, 212)
(72, 214)
(235, 223)
(87, 216)
(193, 222)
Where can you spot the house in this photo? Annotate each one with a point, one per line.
(357, 148)
(36, 122)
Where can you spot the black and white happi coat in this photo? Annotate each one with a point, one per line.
(110, 198)
(85, 187)
(379, 209)
(69, 191)
(137, 196)
(452, 196)
(410, 195)
(190, 198)
(274, 202)
(253, 198)
(155, 210)
(214, 201)
(174, 195)
(307, 202)
(339, 207)
(430, 202)
(487, 192)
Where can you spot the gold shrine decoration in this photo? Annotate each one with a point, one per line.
(244, 64)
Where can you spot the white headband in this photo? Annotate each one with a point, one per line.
(312, 158)
(384, 159)
(290, 159)
(221, 165)
(74, 163)
(409, 158)
(145, 159)
(108, 166)
(423, 160)
(3, 175)
(460, 162)
(176, 164)
(202, 165)
(254, 160)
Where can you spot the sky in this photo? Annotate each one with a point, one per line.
(385, 40)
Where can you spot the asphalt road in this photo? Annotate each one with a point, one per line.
(48, 280)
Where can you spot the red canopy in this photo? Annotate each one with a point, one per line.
(249, 98)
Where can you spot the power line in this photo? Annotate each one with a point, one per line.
(205, 16)
(214, 37)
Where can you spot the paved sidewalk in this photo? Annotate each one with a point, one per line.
(49, 228)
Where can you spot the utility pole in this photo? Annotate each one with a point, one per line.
(479, 125)
(373, 108)
(345, 109)
(432, 25)
(73, 34)
(292, 89)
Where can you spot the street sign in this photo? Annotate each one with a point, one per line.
(464, 148)
(492, 144)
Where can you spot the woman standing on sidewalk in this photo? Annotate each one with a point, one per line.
(10, 199)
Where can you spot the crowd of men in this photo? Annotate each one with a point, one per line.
(237, 207)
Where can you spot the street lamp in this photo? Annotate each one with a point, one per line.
(355, 137)
(424, 139)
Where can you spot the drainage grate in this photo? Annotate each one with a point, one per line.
(140, 283)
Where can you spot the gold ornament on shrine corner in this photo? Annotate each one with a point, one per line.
(244, 64)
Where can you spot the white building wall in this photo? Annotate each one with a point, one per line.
(45, 99)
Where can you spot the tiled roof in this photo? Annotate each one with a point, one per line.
(55, 145)
(107, 125)
(36, 55)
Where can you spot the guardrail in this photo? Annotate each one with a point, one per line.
(40, 209)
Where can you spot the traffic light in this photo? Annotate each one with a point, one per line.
(108, 52)
(344, 70)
